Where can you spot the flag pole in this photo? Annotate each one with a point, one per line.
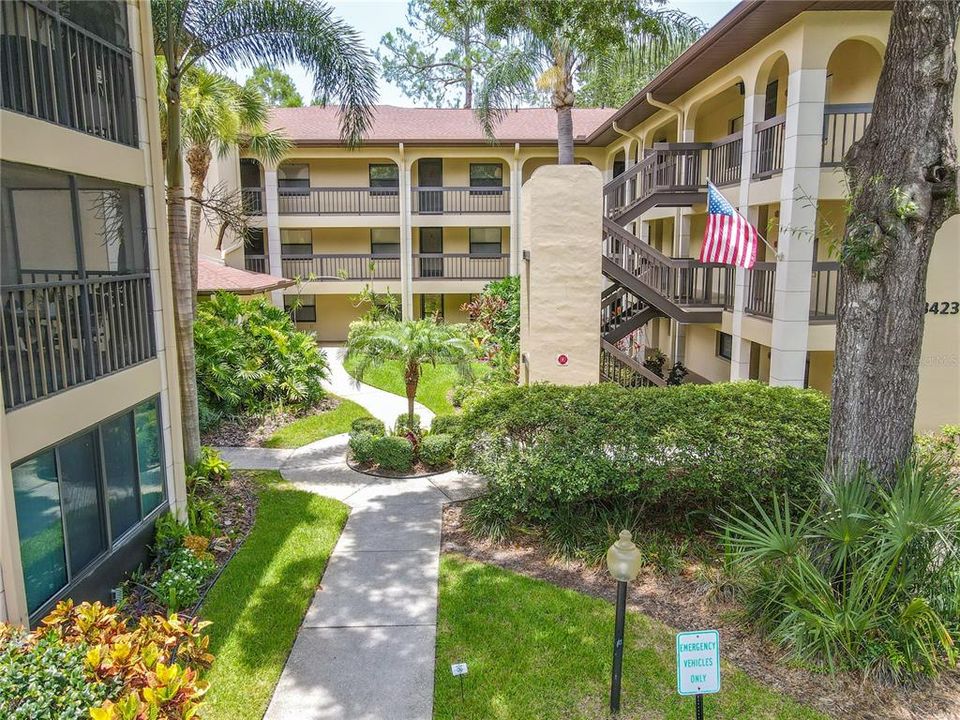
(776, 253)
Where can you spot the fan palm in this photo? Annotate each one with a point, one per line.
(412, 343)
(550, 41)
(220, 34)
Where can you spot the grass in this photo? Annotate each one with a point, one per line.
(436, 383)
(316, 427)
(535, 650)
(258, 603)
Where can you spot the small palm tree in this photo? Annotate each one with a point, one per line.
(551, 41)
(413, 343)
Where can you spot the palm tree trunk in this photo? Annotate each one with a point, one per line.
(198, 160)
(565, 135)
(412, 379)
(184, 293)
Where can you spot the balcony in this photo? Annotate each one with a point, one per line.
(55, 70)
(768, 141)
(365, 267)
(257, 263)
(460, 266)
(59, 330)
(761, 282)
(338, 201)
(725, 160)
(670, 174)
(459, 200)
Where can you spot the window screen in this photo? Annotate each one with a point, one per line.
(485, 241)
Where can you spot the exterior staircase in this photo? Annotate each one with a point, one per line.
(622, 312)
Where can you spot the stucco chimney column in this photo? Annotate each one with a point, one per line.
(272, 205)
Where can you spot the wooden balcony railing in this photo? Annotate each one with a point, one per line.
(55, 70)
(462, 200)
(338, 201)
(331, 268)
(761, 283)
(56, 334)
(768, 140)
(843, 125)
(252, 199)
(725, 159)
(668, 167)
(257, 263)
(460, 266)
(618, 367)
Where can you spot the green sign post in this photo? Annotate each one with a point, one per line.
(698, 665)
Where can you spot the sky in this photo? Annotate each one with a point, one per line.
(375, 18)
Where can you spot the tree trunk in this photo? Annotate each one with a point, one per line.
(184, 292)
(565, 135)
(903, 185)
(563, 100)
(198, 160)
(467, 68)
(412, 379)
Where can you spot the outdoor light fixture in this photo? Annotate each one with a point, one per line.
(623, 562)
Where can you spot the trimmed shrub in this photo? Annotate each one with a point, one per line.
(402, 426)
(393, 453)
(370, 425)
(445, 425)
(361, 445)
(436, 449)
(547, 448)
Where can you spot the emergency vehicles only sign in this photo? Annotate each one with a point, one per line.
(698, 662)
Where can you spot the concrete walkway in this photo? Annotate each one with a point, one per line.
(381, 404)
(366, 648)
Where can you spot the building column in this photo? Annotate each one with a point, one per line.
(271, 203)
(799, 194)
(515, 183)
(740, 357)
(406, 240)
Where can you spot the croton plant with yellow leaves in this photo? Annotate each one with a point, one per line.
(150, 671)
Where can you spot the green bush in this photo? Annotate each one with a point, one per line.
(210, 468)
(403, 426)
(250, 358)
(368, 424)
(393, 453)
(361, 445)
(179, 585)
(436, 449)
(860, 578)
(546, 449)
(46, 680)
(445, 425)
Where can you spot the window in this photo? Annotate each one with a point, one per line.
(770, 100)
(296, 242)
(431, 306)
(385, 241)
(486, 175)
(301, 308)
(735, 124)
(293, 177)
(724, 345)
(384, 175)
(485, 241)
(253, 243)
(74, 501)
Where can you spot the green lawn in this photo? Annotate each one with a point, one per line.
(258, 603)
(435, 382)
(538, 651)
(316, 427)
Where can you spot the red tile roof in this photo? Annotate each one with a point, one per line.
(213, 275)
(434, 126)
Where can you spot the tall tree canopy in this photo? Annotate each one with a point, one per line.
(548, 42)
(275, 85)
(221, 34)
(902, 176)
(444, 54)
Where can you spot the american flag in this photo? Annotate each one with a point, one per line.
(729, 239)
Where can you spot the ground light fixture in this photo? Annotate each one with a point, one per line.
(623, 562)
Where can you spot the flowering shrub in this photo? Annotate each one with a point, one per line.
(179, 585)
(85, 662)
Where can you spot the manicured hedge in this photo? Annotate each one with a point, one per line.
(436, 449)
(392, 453)
(403, 426)
(545, 448)
(445, 424)
(371, 425)
(361, 445)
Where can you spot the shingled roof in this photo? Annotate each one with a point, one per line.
(433, 126)
(213, 275)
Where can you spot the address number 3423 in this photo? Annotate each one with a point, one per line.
(944, 307)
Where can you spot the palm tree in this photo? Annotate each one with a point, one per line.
(550, 41)
(412, 343)
(216, 114)
(220, 34)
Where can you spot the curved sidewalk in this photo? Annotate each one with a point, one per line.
(381, 404)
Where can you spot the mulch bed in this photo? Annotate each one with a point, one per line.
(237, 509)
(254, 430)
(678, 603)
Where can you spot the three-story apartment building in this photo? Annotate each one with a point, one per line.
(90, 440)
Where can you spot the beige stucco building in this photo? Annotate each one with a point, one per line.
(90, 441)
(765, 105)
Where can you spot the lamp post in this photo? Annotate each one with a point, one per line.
(623, 562)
